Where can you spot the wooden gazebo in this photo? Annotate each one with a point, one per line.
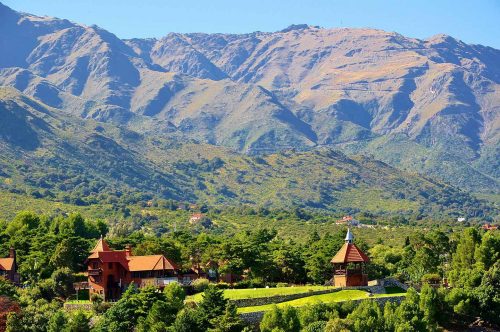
(350, 264)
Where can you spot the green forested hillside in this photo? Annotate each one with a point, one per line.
(46, 153)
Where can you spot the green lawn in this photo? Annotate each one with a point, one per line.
(250, 293)
(344, 295)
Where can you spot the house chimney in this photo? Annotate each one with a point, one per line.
(128, 250)
(12, 253)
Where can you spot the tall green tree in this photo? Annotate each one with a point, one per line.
(276, 319)
(367, 317)
(78, 322)
(158, 319)
(189, 320)
(213, 303)
(229, 322)
(429, 306)
(408, 314)
(57, 322)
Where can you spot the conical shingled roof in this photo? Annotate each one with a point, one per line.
(350, 253)
(100, 247)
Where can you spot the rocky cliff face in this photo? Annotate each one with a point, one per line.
(425, 105)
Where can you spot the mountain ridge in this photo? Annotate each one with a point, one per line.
(302, 87)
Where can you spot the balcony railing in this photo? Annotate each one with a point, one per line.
(349, 272)
(158, 282)
(95, 272)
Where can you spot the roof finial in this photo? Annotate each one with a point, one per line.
(349, 238)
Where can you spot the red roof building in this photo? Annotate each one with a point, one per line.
(489, 227)
(110, 272)
(350, 264)
(8, 267)
(196, 217)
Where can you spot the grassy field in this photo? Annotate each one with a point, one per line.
(251, 293)
(344, 295)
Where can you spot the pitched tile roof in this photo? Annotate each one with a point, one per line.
(350, 253)
(150, 263)
(6, 264)
(131, 263)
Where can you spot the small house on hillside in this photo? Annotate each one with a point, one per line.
(8, 267)
(490, 227)
(196, 218)
(347, 220)
(200, 219)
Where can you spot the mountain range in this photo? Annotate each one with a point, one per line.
(428, 106)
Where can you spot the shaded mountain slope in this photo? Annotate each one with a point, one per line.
(303, 87)
(83, 162)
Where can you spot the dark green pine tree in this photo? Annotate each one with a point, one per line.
(78, 323)
(189, 320)
(156, 318)
(57, 322)
(229, 322)
(213, 303)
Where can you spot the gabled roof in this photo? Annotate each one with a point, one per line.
(131, 263)
(350, 253)
(150, 263)
(6, 264)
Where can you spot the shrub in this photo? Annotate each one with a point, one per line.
(7, 288)
(250, 283)
(281, 284)
(243, 284)
(199, 285)
(277, 319)
(318, 326)
(222, 285)
(431, 278)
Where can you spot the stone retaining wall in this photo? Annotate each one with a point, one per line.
(391, 282)
(252, 302)
(77, 306)
(254, 318)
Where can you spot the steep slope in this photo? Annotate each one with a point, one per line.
(353, 85)
(47, 153)
(302, 87)
(243, 117)
(56, 154)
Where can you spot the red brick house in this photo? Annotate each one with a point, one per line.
(110, 272)
(350, 264)
(8, 267)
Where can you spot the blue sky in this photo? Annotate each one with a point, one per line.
(473, 21)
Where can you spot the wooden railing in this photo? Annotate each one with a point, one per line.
(95, 272)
